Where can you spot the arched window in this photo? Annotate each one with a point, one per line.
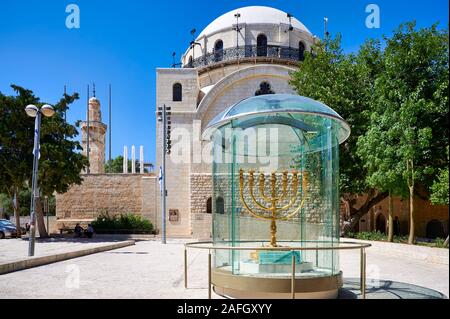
(264, 88)
(191, 62)
(261, 45)
(218, 51)
(220, 205)
(177, 90)
(380, 224)
(209, 206)
(301, 51)
(435, 229)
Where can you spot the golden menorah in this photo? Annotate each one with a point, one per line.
(274, 211)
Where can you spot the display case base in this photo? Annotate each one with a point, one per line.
(229, 285)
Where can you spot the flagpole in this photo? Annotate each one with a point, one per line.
(163, 195)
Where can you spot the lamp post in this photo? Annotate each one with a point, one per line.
(34, 111)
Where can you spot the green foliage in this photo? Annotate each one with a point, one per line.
(408, 130)
(439, 189)
(24, 203)
(344, 82)
(378, 236)
(123, 223)
(395, 100)
(439, 243)
(60, 163)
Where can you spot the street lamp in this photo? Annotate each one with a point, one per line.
(34, 111)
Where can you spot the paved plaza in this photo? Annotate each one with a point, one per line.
(151, 270)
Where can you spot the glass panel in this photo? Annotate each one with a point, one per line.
(276, 183)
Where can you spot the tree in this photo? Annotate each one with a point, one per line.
(411, 117)
(60, 161)
(379, 153)
(439, 190)
(345, 83)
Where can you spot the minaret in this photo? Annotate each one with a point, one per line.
(97, 133)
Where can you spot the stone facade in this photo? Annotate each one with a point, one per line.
(424, 214)
(107, 193)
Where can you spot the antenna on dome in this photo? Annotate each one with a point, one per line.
(290, 16)
(174, 65)
(237, 29)
(325, 28)
(194, 43)
(93, 89)
(193, 31)
(291, 28)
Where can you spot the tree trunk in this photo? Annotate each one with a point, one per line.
(446, 242)
(357, 214)
(40, 219)
(411, 238)
(391, 219)
(17, 213)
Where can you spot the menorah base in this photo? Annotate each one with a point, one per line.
(278, 257)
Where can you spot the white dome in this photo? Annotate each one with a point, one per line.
(252, 15)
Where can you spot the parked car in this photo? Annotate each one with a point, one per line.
(7, 229)
(9, 223)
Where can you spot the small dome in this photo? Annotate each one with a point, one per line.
(252, 15)
(295, 111)
(94, 100)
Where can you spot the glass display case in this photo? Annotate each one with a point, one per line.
(276, 185)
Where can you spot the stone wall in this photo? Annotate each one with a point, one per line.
(112, 193)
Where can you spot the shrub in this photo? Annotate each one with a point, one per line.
(123, 223)
(439, 242)
(376, 236)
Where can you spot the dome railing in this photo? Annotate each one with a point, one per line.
(247, 52)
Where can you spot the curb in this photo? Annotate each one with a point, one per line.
(49, 259)
(425, 254)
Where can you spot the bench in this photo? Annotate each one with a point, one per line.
(68, 225)
(65, 229)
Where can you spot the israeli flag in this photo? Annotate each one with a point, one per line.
(39, 152)
(160, 179)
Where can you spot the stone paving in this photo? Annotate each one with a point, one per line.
(17, 249)
(150, 270)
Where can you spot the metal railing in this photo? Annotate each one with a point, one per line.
(249, 52)
(210, 246)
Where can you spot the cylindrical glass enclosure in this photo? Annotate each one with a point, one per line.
(276, 184)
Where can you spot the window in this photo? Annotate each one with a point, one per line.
(177, 92)
(209, 206)
(218, 51)
(220, 205)
(301, 51)
(264, 88)
(191, 62)
(261, 45)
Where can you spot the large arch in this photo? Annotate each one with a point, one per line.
(263, 71)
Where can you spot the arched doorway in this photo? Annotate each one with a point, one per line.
(220, 205)
(435, 229)
(209, 206)
(380, 224)
(261, 45)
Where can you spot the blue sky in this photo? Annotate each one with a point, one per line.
(122, 42)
